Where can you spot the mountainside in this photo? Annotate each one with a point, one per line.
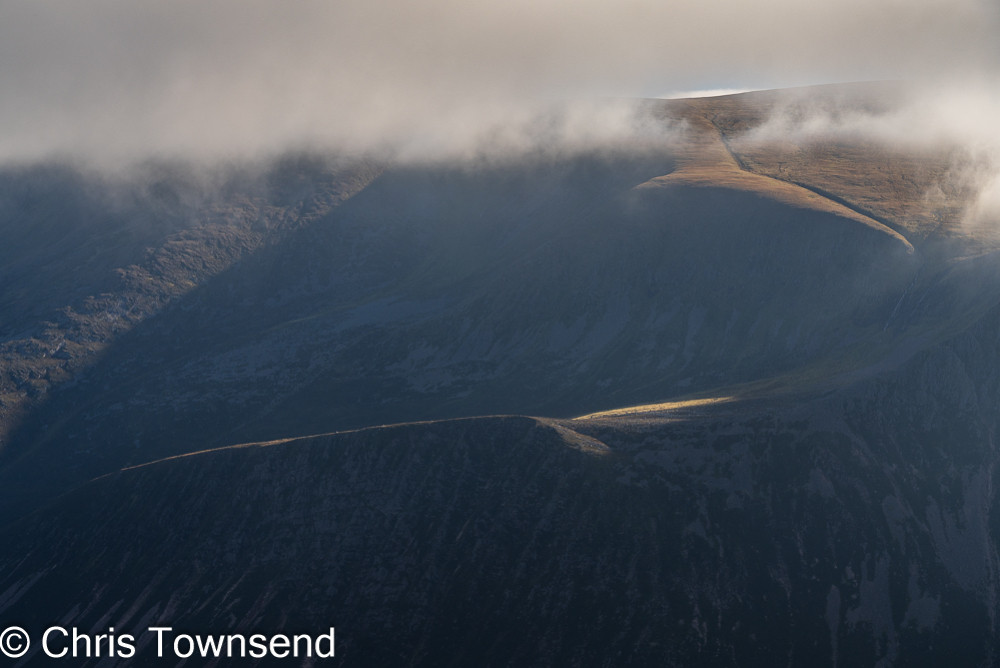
(857, 528)
(783, 350)
(323, 333)
(87, 257)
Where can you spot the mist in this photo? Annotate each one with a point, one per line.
(955, 118)
(114, 81)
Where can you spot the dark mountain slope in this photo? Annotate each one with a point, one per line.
(86, 257)
(855, 528)
(822, 493)
(439, 293)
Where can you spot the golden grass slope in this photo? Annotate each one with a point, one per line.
(659, 409)
(705, 160)
(914, 188)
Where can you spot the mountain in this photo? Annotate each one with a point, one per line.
(767, 368)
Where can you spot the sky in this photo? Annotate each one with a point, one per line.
(119, 80)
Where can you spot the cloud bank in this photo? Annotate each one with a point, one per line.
(114, 80)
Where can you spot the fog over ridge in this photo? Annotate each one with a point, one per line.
(114, 80)
(954, 117)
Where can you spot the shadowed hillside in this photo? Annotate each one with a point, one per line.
(853, 529)
(766, 365)
(552, 289)
(88, 257)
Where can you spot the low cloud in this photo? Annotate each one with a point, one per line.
(920, 115)
(955, 117)
(116, 80)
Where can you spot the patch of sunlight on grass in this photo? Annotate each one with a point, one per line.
(657, 408)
